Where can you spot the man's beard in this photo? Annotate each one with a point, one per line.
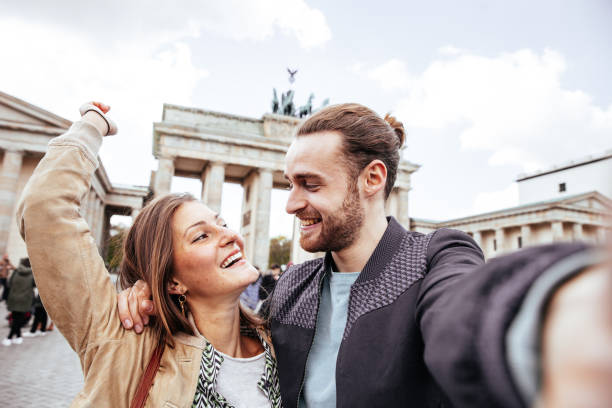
(338, 231)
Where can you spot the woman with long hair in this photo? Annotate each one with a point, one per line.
(204, 349)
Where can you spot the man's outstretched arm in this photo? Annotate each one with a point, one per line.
(473, 345)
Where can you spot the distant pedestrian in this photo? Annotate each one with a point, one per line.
(5, 268)
(19, 301)
(40, 319)
(269, 281)
(250, 296)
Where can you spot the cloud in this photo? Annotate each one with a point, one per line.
(133, 55)
(450, 50)
(392, 75)
(494, 200)
(512, 105)
(149, 23)
(56, 70)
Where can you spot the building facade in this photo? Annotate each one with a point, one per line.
(25, 131)
(569, 202)
(592, 173)
(584, 217)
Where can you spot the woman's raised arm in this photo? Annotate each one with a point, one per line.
(71, 277)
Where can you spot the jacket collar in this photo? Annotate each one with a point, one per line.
(212, 360)
(384, 251)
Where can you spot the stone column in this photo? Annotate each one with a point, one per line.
(602, 235)
(557, 231)
(11, 167)
(578, 233)
(212, 185)
(478, 238)
(499, 238)
(526, 234)
(402, 207)
(163, 176)
(262, 219)
(134, 214)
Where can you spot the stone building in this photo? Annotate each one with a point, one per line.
(569, 202)
(25, 131)
(592, 173)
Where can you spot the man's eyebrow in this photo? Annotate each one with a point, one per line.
(302, 176)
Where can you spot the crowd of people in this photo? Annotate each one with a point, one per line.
(22, 301)
(388, 317)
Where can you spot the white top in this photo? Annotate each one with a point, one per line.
(237, 381)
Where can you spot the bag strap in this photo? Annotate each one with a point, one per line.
(146, 381)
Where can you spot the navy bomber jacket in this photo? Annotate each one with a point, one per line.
(426, 322)
(381, 358)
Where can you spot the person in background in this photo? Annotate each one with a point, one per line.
(40, 319)
(19, 301)
(250, 296)
(5, 268)
(268, 281)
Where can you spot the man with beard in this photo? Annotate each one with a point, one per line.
(348, 329)
(390, 317)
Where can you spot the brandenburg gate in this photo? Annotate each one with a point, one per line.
(218, 147)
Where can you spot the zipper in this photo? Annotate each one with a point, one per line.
(297, 403)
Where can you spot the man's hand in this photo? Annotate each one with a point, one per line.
(135, 306)
(577, 343)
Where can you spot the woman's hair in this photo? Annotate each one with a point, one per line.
(366, 137)
(148, 256)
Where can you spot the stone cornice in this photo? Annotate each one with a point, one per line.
(34, 111)
(208, 113)
(522, 212)
(512, 212)
(32, 128)
(216, 135)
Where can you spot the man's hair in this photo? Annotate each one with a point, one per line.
(366, 137)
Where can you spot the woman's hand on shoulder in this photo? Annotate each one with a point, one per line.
(135, 306)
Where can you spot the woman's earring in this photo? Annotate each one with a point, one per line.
(182, 299)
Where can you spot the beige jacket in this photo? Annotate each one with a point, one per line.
(77, 292)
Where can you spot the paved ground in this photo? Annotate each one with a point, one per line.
(41, 372)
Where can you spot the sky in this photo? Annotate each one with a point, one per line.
(487, 90)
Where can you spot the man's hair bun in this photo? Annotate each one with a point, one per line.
(398, 127)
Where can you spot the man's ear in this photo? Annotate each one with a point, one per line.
(374, 177)
(176, 288)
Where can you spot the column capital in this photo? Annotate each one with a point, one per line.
(166, 157)
(14, 150)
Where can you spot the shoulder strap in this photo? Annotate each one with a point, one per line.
(146, 381)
